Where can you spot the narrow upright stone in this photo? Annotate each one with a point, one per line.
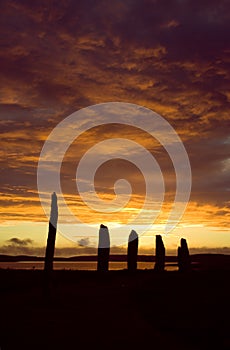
(51, 234)
(132, 251)
(160, 254)
(184, 262)
(103, 249)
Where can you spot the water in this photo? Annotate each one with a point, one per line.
(79, 265)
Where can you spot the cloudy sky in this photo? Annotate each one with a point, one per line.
(172, 57)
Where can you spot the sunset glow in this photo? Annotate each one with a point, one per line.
(174, 61)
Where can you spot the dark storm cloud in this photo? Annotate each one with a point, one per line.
(185, 28)
(83, 242)
(20, 242)
(16, 245)
(62, 52)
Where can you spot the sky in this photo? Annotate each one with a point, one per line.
(57, 57)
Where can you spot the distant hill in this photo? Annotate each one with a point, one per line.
(206, 261)
(113, 257)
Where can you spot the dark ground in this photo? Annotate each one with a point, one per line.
(116, 310)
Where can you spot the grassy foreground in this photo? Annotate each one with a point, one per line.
(115, 310)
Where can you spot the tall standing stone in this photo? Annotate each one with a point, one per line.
(132, 251)
(160, 254)
(51, 235)
(103, 249)
(184, 262)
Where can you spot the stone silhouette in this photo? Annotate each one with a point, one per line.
(103, 249)
(51, 236)
(184, 262)
(132, 251)
(160, 254)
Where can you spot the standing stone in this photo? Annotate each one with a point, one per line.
(132, 251)
(51, 236)
(103, 249)
(160, 254)
(184, 262)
